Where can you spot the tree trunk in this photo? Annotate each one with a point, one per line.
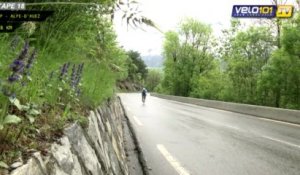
(278, 33)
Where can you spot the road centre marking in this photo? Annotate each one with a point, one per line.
(281, 141)
(176, 165)
(137, 121)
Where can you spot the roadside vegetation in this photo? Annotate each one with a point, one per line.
(258, 64)
(137, 70)
(153, 79)
(53, 72)
(136, 73)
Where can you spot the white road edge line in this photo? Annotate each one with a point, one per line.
(176, 165)
(277, 121)
(137, 121)
(281, 141)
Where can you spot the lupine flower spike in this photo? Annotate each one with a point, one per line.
(64, 70)
(73, 76)
(30, 62)
(18, 64)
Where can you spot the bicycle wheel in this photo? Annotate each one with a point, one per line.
(143, 99)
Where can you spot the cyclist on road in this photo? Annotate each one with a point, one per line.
(144, 94)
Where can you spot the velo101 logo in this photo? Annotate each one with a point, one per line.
(262, 11)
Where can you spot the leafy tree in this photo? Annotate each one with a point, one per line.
(254, 65)
(153, 79)
(209, 85)
(137, 71)
(279, 84)
(171, 45)
(249, 51)
(188, 54)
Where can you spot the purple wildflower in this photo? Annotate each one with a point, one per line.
(24, 52)
(18, 64)
(14, 77)
(78, 74)
(64, 70)
(73, 76)
(31, 59)
(77, 78)
(29, 63)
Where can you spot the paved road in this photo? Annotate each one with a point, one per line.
(179, 138)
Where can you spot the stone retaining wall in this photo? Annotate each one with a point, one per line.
(95, 150)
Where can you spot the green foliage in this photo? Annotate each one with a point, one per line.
(41, 102)
(137, 71)
(209, 85)
(249, 52)
(29, 110)
(3, 165)
(9, 119)
(187, 55)
(153, 79)
(279, 83)
(247, 66)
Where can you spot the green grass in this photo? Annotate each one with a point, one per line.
(59, 40)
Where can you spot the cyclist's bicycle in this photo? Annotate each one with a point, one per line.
(144, 93)
(143, 98)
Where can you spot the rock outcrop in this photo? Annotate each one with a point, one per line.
(128, 86)
(95, 150)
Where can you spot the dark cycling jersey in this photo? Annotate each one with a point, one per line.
(144, 92)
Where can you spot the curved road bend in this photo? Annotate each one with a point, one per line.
(180, 138)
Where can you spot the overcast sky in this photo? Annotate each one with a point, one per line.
(168, 13)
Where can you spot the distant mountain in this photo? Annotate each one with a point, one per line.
(153, 60)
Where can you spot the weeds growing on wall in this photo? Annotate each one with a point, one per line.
(52, 73)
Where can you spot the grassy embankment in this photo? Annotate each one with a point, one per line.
(52, 73)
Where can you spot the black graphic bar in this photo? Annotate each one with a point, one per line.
(24, 15)
(9, 27)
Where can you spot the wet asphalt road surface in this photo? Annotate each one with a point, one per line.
(179, 138)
